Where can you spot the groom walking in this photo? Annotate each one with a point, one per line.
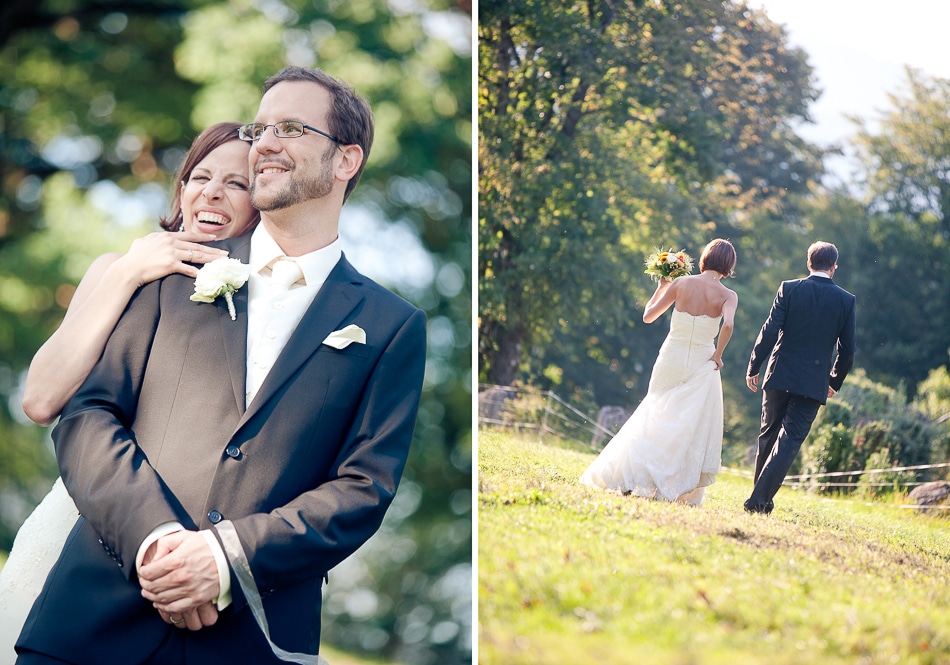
(809, 320)
(222, 466)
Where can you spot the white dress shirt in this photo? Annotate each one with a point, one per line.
(272, 317)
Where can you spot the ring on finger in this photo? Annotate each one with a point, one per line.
(179, 621)
(191, 255)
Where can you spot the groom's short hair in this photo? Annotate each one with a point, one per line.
(822, 256)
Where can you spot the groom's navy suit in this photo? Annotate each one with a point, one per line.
(810, 319)
(160, 433)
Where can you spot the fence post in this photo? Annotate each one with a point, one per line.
(544, 417)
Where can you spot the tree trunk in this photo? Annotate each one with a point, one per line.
(504, 358)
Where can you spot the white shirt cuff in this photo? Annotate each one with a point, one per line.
(224, 575)
(157, 532)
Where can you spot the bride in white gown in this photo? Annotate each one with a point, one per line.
(213, 185)
(670, 448)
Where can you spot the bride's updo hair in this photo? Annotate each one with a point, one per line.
(719, 255)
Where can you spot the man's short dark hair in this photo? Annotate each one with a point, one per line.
(822, 256)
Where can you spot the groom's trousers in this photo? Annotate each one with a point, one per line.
(786, 421)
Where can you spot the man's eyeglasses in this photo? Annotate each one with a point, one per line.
(286, 129)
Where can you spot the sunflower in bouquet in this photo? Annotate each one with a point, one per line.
(668, 264)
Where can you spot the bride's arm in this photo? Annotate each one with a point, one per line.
(663, 297)
(728, 324)
(62, 364)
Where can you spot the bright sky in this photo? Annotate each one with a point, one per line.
(858, 49)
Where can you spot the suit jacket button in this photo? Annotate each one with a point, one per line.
(233, 452)
(215, 516)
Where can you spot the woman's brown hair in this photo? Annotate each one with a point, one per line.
(719, 255)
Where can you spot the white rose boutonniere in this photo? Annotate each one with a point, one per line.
(221, 277)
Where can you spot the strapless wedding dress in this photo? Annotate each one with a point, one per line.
(35, 549)
(671, 447)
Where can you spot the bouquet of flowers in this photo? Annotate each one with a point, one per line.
(668, 264)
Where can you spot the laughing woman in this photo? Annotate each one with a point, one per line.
(211, 201)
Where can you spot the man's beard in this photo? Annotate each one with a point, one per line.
(298, 189)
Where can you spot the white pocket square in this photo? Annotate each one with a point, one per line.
(340, 339)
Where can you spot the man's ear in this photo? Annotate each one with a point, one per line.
(351, 159)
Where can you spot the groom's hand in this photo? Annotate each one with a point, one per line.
(752, 382)
(206, 615)
(182, 576)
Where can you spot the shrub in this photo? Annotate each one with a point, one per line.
(868, 425)
(829, 449)
(878, 484)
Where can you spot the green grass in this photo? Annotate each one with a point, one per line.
(570, 574)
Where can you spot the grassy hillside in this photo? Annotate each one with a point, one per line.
(573, 575)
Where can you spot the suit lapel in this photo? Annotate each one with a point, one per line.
(234, 333)
(335, 301)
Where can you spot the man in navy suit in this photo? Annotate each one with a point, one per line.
(223, 465)
(810, 319)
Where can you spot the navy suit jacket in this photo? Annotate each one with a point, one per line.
(809, 321)
(159, 432)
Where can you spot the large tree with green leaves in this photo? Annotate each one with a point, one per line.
(895, 233)
(606, 129)
(99, 99)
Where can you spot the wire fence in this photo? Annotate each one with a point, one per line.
(543, 411)
(525, 409)
(813, 480)
(809, 482)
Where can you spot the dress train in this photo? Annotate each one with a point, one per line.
(671, 447)
(36, 548)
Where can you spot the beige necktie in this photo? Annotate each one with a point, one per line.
(285, 273)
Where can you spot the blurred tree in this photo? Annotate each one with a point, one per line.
(907, 160)
(100, 100)
(605, 130)
(91, 108)
(905, 165)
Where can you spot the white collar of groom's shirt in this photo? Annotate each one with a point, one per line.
(316, 266)
(819, 273)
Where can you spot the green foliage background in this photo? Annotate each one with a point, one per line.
(608, 129)
(98, 102)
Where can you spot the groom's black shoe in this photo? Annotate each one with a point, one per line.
(756, 507)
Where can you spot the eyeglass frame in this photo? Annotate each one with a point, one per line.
(283, 122)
